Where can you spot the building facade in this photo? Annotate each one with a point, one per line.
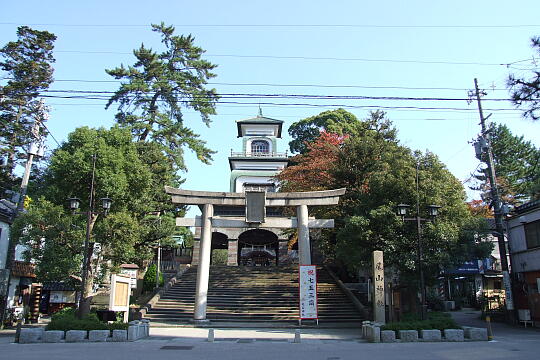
(253, 169)
(524, 244)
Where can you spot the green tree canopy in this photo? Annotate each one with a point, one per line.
(378, 174)
(302, 132)
(131, 174)
(517, 165)
(156, 88)
(26, 64)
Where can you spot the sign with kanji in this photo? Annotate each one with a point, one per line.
(308, 292)
(378, 283)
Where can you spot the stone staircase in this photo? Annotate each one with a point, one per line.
(252, 294)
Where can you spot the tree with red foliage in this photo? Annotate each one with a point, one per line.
(312, 171)
(480, 208)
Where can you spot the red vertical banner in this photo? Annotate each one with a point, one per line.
(308, 292)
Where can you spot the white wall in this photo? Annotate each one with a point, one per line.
(4, 242)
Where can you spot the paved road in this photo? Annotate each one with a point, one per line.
(275, 344)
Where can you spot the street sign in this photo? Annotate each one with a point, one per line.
(308, 292)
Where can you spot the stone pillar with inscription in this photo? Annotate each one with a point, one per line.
(378, 284)
(232, 253)
(196, 252)
(283, 252)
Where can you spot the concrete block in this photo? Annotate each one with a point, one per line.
(53, 336)
(476, 334)
(76, 335)
(297, 337)
(373, 334)
(33, 335)
(98, 335)
(388, 336)
(133, 332)
(119, 335)
(146, 324)
(453, 335)
(408, 335)
(430, 335)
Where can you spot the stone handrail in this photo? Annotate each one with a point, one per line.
(357, 304)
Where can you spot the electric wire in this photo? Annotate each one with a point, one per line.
(254, 25)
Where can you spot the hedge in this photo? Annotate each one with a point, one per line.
(66, 319)
(436, 320)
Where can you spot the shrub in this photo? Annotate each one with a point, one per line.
(66, 319)
(149, 281)
(436, 320)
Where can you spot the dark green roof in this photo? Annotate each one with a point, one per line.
(259, 120)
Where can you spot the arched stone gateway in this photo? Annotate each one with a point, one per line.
(258, 247)
(253, 204)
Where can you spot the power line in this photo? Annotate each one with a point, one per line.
(292, 85)
(361, 26)
(278, 57)
(96, 95)
(50, 133)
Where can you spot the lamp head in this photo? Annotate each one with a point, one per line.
(73, 203)
(433, 210)
(402, 209)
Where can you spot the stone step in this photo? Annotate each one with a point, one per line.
(246, 294)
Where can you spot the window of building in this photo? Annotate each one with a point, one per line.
(260, 146)
(532, 234)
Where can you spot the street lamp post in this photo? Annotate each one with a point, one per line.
(433, 212)
(74, 204)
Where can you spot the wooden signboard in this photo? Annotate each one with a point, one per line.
(120, 291)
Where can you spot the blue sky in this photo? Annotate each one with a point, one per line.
(342, 48)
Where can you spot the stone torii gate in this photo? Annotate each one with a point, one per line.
(254, 203)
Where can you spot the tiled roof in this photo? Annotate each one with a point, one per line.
(58, 286)
(527, 206)
(261, 120)
(7, 210)
(129, 266)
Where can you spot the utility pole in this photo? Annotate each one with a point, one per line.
(36, 149)
(483, 147)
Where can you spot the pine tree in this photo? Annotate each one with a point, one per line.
(27, 64)
(158, 86)
(517, 166)
(526, 91)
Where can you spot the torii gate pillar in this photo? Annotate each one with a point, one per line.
(304, 246)
(203, 273)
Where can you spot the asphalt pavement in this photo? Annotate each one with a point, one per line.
(510, 342)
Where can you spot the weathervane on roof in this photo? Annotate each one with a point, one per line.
(260, 111)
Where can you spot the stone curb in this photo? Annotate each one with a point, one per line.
(373, 333)
(136, 330)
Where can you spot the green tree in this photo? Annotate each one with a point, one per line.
(149, 281)
(517, 165)
(132, 174)
(158, 86)
(378, 174)
(526, 91)
(305, 131)
(27, 66)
